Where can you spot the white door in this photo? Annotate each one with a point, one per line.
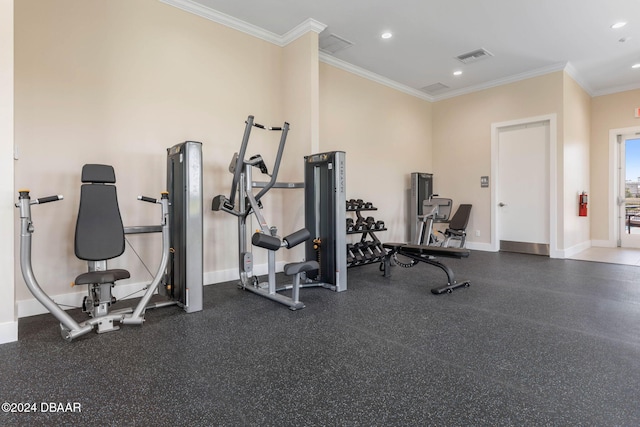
(629, 191)
(523, 222)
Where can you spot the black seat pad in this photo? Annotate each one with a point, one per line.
(428, 250)
(100, 277)
(299, 267)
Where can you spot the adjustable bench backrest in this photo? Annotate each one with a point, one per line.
(460, 219)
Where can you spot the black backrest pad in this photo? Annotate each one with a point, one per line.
(460, 218)
(99, 229)
(98, 173)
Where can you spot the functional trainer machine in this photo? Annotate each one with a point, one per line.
(266, 237)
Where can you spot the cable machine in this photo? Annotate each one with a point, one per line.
(184, 278)
(325, 217)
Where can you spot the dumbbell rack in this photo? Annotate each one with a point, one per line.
(369, 249)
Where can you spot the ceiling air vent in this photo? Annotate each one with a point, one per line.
(435, 88)
(331, 44)
(474, 56)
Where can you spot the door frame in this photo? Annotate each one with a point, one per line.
(614, 187)
(554, 214)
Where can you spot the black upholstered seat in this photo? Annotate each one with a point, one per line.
(99, 232)
(457, 228)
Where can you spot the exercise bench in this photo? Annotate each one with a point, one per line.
(427, 254)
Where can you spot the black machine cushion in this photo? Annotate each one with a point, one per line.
(103, 174)
(461, 218)
(428, 250)
(100, 277)
(299, 267)
(99, 230)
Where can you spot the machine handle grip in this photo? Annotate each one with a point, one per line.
(258, 125)
(280, 128)
(48, 199)
(147, 199)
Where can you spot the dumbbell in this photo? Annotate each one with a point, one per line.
(371, 222)
(368, 205)
(357, 255)
(363, 247)
(380, 225)
(377, 250)
(350, 256)
(350, 225)
(361, 224)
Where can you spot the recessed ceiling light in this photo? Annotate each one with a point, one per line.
(386, 35)
(618, 25)
(457, 73)
(636, 65)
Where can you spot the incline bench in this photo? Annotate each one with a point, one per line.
(427, 254)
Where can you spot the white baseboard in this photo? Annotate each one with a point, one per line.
(604, 244)
(8, 332)
(476, 246)
(569, 252)
(32, 307)
(221, 276)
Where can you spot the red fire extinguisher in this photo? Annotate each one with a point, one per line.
(582, 204)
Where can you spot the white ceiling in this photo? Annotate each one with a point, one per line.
(527, 38)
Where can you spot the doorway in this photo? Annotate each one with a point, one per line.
(628, 190)
(524, 191)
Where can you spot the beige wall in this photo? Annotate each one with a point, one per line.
(574, 166)
(386, 135)
(118, 82)
(300, 101)
(8, 313)
(462, 140)
(608, 112)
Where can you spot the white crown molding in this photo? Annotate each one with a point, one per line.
(317, 27)
(301, 29)
(253, 30)
(499, 82)
(617, 89)
(571, 70)
(332, 60)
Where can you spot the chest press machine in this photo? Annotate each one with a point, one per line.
(99, 237)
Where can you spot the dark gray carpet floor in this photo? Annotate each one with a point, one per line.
(533, 341)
